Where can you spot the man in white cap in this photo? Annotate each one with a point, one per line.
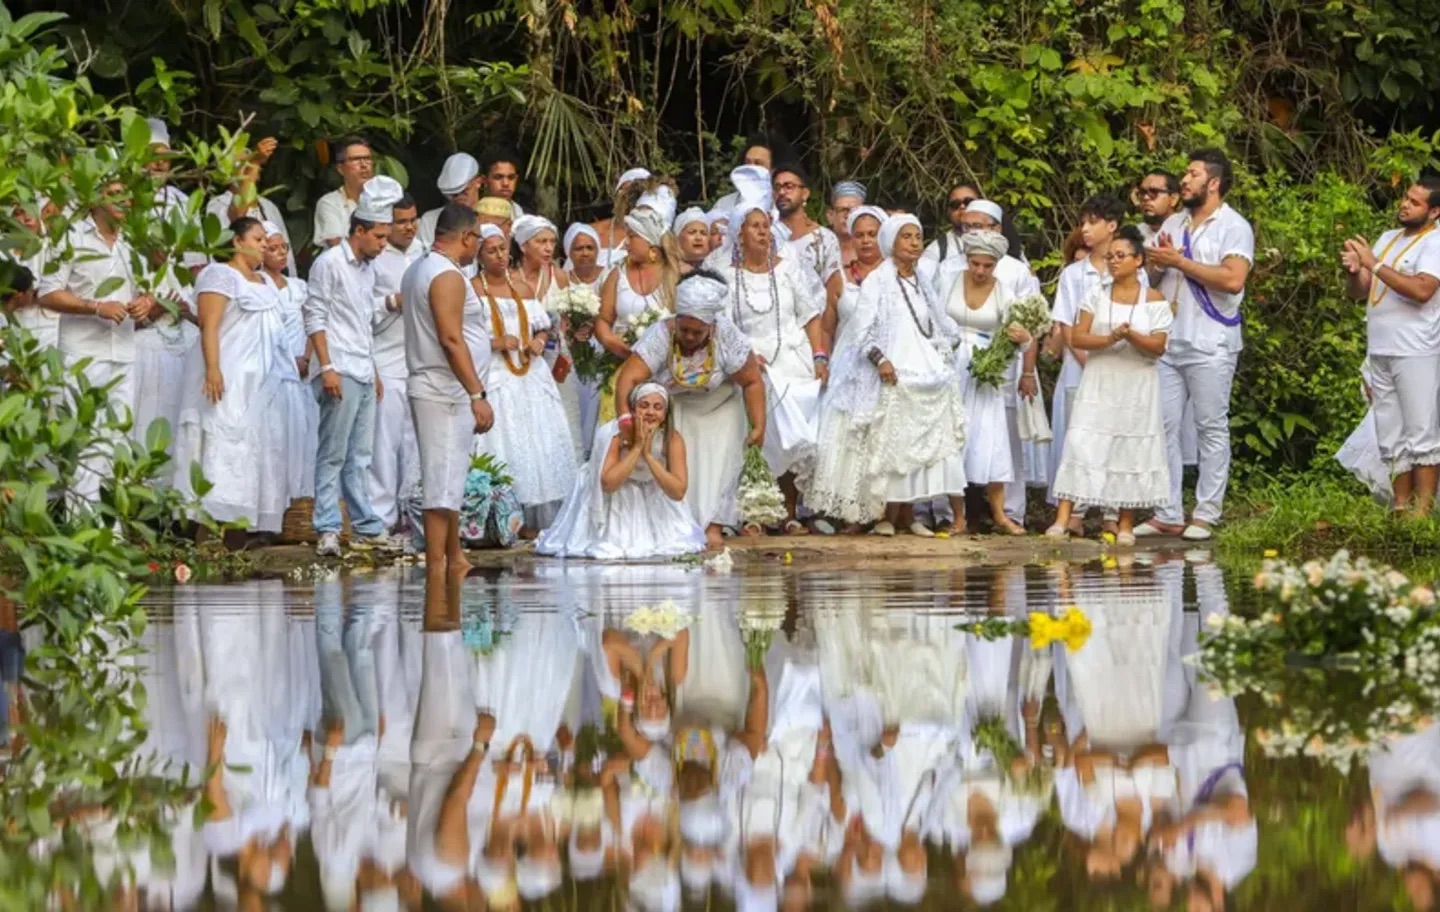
(460, 182)
(356, 164)
(167, 197)
(338, 320)
(394, 466)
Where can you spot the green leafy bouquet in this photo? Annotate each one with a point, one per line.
(990, 366)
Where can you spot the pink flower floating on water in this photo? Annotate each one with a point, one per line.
(182, 573)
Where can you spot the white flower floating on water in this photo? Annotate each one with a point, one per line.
(720, 563)
(665, 620)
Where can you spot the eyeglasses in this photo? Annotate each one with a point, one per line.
(352, 159)
(1152, 192)
(961, 203)
(789, 186)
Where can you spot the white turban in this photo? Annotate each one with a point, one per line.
(272, 229)
(702, 821)
(985, 243)
(488, 230)
(742, 211)
(849, 188)
(693, 214)
(987, 866)
(718, 214)
(905, 887)
(890, 230)
(527, 227)
(752, 898)
(537, 879)
(752, 185)
(987, 207)
(701, 297)
(640, 392)
(574, 232)
(696, 872)
(378, 199)
(634, 174)
(859, 212)
(159, 133)
(655, 887)
(648, 224)
(662, 200)
(384, 899)
(460, 169)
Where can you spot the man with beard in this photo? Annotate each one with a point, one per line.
(812, 245)
(1201, 260)
(1158, 197)
(1400, 276)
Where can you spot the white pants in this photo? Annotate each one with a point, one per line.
(1015, 490)
(122, 399)
(1202, 381)
(395, 462)
(1406, 394)
(444, 432)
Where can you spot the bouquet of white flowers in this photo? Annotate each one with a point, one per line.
(579, 305)
(642, 321)
(757, 629)
(991, 365)
(665, 620)
(761, 502)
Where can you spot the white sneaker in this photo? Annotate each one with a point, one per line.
(921, 530)
(329, 545)
(883, 528)
(1196, 533)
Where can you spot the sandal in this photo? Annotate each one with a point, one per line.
(1057, 531)
(795, 527)
(751, 530)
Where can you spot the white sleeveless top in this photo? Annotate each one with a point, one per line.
(430, 375)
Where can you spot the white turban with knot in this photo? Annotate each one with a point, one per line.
(662, 200)
(573, 233)
(649, 224)
(693, 214)
(701, 297)
(890, 230)
(526, 228)
(859, 212)
(984, 242)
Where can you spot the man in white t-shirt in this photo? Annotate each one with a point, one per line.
(1400, 279)
(356, 165)
(812, 245)
(1201, 258)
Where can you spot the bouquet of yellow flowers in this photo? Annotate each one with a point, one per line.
(991, 365)
(1071, 628)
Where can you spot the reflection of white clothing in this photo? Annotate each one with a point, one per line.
(716, 688)
(525, 682)
(301, 410)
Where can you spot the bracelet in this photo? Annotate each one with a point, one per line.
(875, 356)
(1028, 374)
(820, 358)
(480, 396)
(327, 368)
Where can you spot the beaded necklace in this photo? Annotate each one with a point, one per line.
(497, 325)
(742, 296)
(927, 333)
(677, 365)
(1377, 288)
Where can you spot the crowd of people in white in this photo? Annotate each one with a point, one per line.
(846, 353)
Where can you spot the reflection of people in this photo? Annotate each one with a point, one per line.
(1402, 816)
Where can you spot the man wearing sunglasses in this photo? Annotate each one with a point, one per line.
(947, 246)
(1157, 196)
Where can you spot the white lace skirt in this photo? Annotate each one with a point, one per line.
(987, 436)
(918, 451)
(531, 435)
(836, 486)
(1115, 444)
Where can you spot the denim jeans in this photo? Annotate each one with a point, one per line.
(343, 633)
(342, 461)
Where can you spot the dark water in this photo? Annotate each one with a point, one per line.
(959, 772)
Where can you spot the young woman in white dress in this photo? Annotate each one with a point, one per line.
(582, 267)
(234, 386)
(629, 500)
(834, 488)
(530, 434)
(779, 308)
(915, 448)
(1115, 444)
(716, 387)
(539, 280)
(980, 305)
(302, 412)
(645, 280)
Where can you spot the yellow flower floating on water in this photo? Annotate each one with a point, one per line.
(1271, 552)
(1072, 628)
(1108, 537)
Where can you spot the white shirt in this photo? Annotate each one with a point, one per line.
(425, 228)
(43, 323)
(430, 375)
(1149, 234)
(390, 268)
(1224, 234)
(952, 248)
(262, 209)
(818, 252)
(341, 304)
(1076, 283)
(1395, 324)
(332, 217)
(91, 264)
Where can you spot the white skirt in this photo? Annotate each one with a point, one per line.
(918, 445)
(636, 522)
(836, 484)
(530, 435)
(159, 383)
(987, 436)
(1115, 444)
(1361, 455)
(792, 419)
(526, 681)
(714, 425)
(1118, 676)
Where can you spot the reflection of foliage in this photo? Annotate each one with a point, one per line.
(991, 735)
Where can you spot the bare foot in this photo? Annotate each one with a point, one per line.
(714, 539)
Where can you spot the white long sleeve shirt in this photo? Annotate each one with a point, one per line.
(390, 268)
(92, 264)
(341, 304)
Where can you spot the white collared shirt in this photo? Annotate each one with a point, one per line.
(1076, 283)
(1224, 234)
(332, 217)
(341, 304)
(390, 268)
(91, 263)
(1397, 325)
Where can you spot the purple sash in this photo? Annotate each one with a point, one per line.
(1202, 294)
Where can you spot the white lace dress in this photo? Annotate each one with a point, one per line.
(239, 445)
(302, 411)
(988, 458)
(638, 521)
(833, 489)
(531, 434)
(706, 408)
(1115, 445)
(773, 308)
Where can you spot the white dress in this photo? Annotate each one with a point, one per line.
(706, 408)
(526, 681)
(530, 435)
(988, 458)
(302, 410)
(160, 355)
(639, 521)
(773, 309)
(239, 445)
(833, 488)
(1115, 444)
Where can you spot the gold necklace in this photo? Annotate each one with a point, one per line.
(1376, 283)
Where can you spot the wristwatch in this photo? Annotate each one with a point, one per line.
(480, 395)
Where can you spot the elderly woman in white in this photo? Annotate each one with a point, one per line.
(979, 303)
(629, 501)
(909, 398)
(779, 308)
(715, 383)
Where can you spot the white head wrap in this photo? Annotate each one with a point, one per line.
(662, 200)
(986, 865)
(649, 224)
(338, 888)
(586, 864)
(634, 174)
(905, 887)
(653, 730)
(701, 297)
(537, 879)
(460, 169)
(859, 212)
(488, 230)
(574, 232)
(985, 243)
(863, 888)
(384, 899)
(655, 887)
(527, 227)
(752, 898)
(849, 188)
(890, 230)
(752, 184)
(696, 872)
(159, 133)
(718, 214)
(693, 214)
(702, 822)
(987, 207)
(271, 229)
(649, 388)
(742, 211)
(378, 199)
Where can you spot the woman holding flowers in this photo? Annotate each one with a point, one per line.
(583, 269)
(643, 284)
(629, 501)
(714, 380)
(530, 434)
(540, 281)
(980, 305)
(1114, 452)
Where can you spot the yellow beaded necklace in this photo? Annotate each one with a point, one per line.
(497, 326)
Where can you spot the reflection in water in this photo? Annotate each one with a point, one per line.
(567, 740)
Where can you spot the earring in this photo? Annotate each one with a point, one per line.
(654, 257)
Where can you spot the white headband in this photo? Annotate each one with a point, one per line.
(987, 207)
(648, 389)
(693, 214)
(859, 212)
(890, 230)
(488, 230)
(634, 174)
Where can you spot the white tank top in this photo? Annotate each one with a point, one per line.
(430, 375)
